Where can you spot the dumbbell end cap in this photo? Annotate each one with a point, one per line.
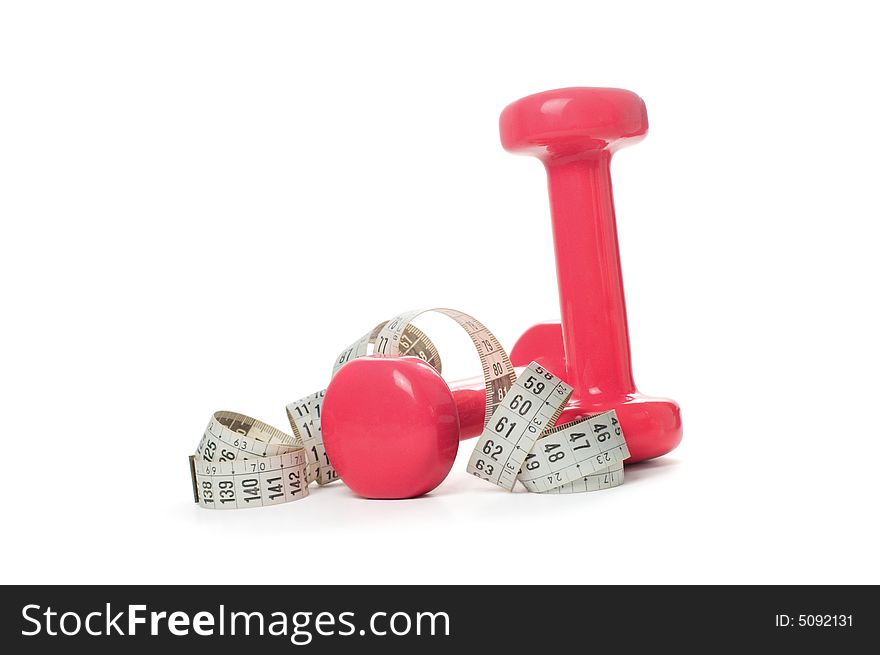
(390, 426)
(573, 121)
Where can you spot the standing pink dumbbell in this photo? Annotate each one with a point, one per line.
(574, 132)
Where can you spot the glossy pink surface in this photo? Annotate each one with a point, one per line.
(574, 133)
(390, 426)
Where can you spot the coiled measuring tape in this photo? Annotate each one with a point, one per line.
(242, 462)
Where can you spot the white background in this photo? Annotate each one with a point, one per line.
(202, 202)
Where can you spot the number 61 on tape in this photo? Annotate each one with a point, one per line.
(519, 444)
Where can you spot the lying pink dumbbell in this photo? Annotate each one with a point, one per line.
(391, 425)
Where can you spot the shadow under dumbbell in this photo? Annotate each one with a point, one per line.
(648, 469)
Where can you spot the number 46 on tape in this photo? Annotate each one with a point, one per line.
(518, 442)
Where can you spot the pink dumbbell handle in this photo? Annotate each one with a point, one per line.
(594, 325)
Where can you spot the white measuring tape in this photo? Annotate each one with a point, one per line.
(530, 408)
(574, 451)
(241, 462)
